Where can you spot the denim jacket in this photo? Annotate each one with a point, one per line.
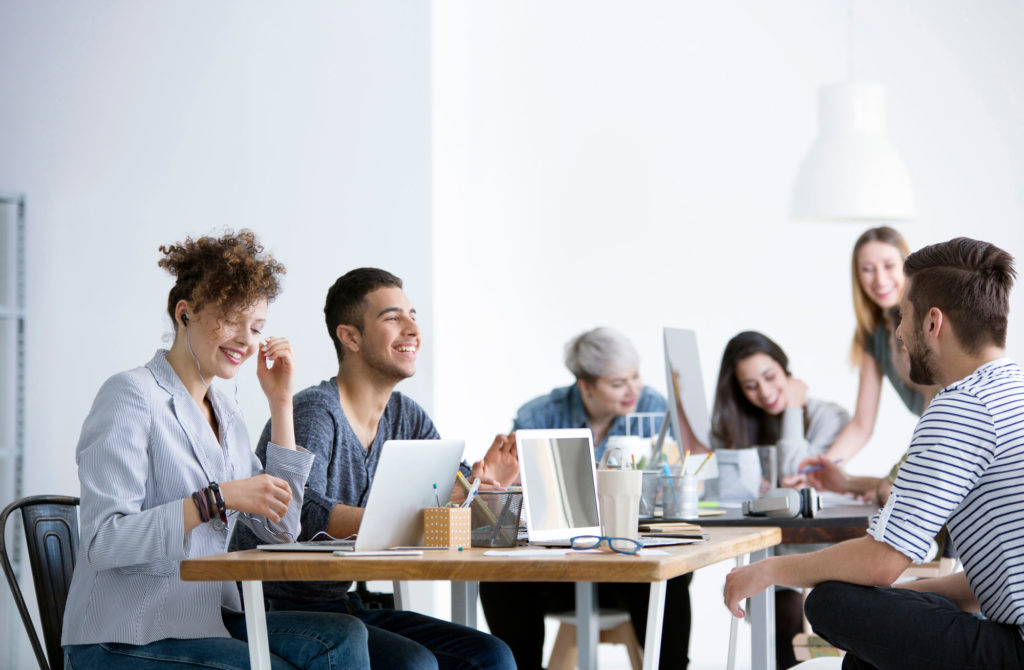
(563, 408)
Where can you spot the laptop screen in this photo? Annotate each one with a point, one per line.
(559, 486)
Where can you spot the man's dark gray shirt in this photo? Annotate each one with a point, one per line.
(342, 470)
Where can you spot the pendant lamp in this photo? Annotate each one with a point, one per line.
(852, 172)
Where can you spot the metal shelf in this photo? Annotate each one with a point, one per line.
(12, 443)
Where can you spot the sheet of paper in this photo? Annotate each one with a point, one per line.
(537, 553)
(387, 553)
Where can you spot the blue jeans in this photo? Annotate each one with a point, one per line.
(884, 627)
(402, 640)
(297, 640)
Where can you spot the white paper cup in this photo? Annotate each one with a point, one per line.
(618, 498)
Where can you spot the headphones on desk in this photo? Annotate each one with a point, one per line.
(784, 504)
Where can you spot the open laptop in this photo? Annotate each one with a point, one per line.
(556, 468)
(402, 486)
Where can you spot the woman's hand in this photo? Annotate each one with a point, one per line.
(501, 462)
(263, 494)
(828, 476)
(796, 393)
(277, 381)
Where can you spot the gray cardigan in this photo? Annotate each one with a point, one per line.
(144, 447)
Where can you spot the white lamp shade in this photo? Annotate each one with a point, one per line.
(852, 173)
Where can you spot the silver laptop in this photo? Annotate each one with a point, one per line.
(402, 486)
(559, 481)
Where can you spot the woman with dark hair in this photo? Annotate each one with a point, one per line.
(166, 470)
(758, 402)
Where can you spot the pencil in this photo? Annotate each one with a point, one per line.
(701, 467)
(482, 506)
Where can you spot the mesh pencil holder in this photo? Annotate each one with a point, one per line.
(495, 520)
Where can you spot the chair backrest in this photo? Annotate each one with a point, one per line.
(51, 536)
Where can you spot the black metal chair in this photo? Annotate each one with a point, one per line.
(51, 534)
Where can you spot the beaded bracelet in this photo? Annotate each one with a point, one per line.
(221, 509)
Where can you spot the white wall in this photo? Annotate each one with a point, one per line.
(129, 125)
(630, 164)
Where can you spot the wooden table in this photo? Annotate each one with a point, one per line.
(465, 569)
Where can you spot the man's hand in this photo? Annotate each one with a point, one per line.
(742, 583)
(500, 465)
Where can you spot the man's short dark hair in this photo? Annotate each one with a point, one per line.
(970, 282)
(346, 300)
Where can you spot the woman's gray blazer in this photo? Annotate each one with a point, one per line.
(144, 447)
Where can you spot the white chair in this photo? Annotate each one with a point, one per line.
(614, 627)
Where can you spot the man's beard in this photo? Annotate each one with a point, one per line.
(385, 367)
(922, 360)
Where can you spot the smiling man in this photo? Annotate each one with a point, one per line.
(964, 468)
(344, 422)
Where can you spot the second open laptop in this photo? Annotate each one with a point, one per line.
(556, 468)
(402, 486)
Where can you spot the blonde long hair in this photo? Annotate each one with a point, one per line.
(869, 315)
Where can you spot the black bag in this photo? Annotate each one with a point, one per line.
(374, 600)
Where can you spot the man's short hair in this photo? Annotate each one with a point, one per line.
(970, 282)
(346, 300)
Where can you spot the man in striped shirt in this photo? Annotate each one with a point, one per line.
(965, 468)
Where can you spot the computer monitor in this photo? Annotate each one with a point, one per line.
(682, 362)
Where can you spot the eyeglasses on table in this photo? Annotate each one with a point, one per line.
(620, 545)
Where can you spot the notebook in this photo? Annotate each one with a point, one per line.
(402, 486)
(556, 468)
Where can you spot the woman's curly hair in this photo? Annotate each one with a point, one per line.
(230, 271)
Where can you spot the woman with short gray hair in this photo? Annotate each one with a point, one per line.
(599, 352)
(607, 388)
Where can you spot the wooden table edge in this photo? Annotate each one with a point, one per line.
(253, 564)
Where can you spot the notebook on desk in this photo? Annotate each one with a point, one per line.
(402, 486)
(556, 468)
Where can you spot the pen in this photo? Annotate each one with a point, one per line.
(815, 468)
(471, 494)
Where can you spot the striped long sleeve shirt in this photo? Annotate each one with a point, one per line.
(965, 468)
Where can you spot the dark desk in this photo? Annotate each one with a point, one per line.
(832, 524)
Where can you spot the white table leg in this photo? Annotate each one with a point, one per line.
(762, 622)
(256, 625)
(464, 597)
(402, 598)
(586, 625)
(655, 621)
(734, 623)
